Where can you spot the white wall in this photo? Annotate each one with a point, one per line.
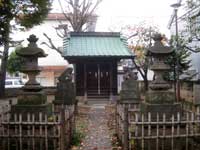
(47, 27)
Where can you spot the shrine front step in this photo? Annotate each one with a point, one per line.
(92, 101)
(98, 97)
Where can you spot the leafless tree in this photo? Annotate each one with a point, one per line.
(78, 13)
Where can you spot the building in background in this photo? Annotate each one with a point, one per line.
(188, 23)
(49, 75)
(53, 24)
(53, 64)
(184, 30)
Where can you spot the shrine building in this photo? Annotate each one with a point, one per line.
(95, 56)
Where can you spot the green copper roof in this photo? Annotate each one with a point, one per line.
(95, 44)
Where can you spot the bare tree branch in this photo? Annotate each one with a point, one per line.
(61, 27)
(51, 44)
(15, 43)
(60, 35)
(132, 36)
(191, 49)
(79, 12)
(66, 16)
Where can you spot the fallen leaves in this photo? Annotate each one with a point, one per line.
(97, 125)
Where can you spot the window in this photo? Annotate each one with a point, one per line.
(8, 83)
(56, 81)
(18, 82)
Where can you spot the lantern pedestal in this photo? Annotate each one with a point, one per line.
(160, 103)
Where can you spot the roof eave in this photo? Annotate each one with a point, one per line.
(92, 57)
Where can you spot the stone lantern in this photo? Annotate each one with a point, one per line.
(160, 98)
(30, 67)
(32, 97)
(159, 53)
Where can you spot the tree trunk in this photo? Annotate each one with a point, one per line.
(144, 75)
(178, 89)
(146, 84)
(4, 63)
(175, 88)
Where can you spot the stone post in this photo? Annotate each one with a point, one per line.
(129, 98)
(130, 89)
(65, 94)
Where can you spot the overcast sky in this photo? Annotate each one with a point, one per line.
(113, 14)
(118, 13)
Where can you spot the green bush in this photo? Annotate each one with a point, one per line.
(77, 138)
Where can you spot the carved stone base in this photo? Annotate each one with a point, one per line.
(32, 98)
(31, 108)
(32, 103)
(160, 109)
(24, 110)
(129, 95)
(160, 97)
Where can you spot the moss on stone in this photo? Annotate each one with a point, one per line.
(32, 99)
(160, 97)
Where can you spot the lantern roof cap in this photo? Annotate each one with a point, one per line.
(32, 49)
(158, 47)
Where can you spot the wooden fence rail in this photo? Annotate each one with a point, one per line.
(139, 131)
(37, 131)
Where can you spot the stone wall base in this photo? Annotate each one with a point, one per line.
(161, 109)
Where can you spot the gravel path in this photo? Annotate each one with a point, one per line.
(98, 137)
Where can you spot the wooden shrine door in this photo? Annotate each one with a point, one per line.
(98, 79)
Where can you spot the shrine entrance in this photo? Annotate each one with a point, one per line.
(98, 79)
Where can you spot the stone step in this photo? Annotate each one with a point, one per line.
(98, 101)
(98, 97)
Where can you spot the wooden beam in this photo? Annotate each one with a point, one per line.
(85, 83)
(98, 78)
(111, 80)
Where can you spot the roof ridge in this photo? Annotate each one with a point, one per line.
(96, 44)
(96, 34)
